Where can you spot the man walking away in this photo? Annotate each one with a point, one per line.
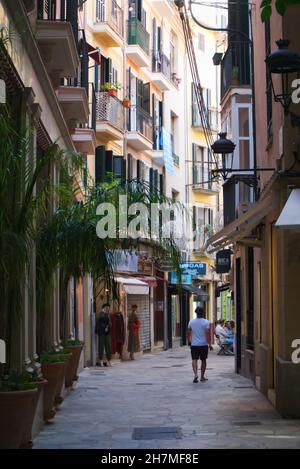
(199, 339)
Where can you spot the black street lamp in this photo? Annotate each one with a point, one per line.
(284, 62)
(224, 147)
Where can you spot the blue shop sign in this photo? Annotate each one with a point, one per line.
(186, 279)
(193, 268)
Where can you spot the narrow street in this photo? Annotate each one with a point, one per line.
(108, 404)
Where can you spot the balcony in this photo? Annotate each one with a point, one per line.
(56, 38)
(235, 66)
(108, 25)
(161, 71)
(212, 119)
(74, 104)
(140, 136)
(109, 117)
(84, 136)
(164, 7)
(138, 43)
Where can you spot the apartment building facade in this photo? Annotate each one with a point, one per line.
(266, 260)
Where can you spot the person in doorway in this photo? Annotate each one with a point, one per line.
(133, 332)
(103, 330)
(200, 340)
(117, 333)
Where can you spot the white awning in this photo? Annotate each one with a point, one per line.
(133, 286)
(289, 218)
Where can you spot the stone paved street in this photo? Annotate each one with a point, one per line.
(157, 391)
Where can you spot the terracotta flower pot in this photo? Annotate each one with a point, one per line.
(127, 103)
(17, 410)
(65, 377)
(27, 438)
(113, 92)
(54, 373)
(76, 349)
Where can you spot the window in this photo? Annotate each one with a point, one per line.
(196, 120)
(203, 225)
(201, 166)
(201, 42)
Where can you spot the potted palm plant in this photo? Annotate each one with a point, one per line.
(18, 402)
(111, 88)
(75, 346)
(53, 369)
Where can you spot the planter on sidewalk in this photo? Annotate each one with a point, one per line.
(53, 369)
(66, 375)
(18, 403)
(75, 347)
(27, 437)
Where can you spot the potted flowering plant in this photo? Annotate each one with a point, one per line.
(235, 76)
(111, 88)
(126, 102)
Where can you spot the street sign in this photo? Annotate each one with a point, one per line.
(193, 268)
(165, 265)
(186, 279)
(223, 261)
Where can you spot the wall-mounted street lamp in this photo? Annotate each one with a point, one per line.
(284, 62)
(224, 147)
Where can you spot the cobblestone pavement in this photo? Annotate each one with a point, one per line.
(157, 391)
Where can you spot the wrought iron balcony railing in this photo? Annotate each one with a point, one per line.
(161, 64)
(109, 109)
(140, 121)
(235, 66)
(109, 12)
(59, 10)
(138, 35)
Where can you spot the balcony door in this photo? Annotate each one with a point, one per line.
(135, 10)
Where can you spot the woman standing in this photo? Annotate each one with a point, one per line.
(134, 325)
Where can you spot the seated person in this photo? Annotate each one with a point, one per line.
(225, 335)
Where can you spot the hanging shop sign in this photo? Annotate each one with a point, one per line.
(125, 261)
(186, 279)
(193, 268)
(223, 261)
(165, 265)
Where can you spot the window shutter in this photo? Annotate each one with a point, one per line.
(109, 164)
(139, 93)
(99, 164)
(151, 179)
(154, 122)
(129, 167)
(194, 163)
(96, 79)
(146, 97)
(161, 184)
(138, 170)
(154, 35)
(155, 180)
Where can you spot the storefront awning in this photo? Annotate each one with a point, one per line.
(202, 296)
(133, 286)
(241, 228)
(289, 218)
(151, 281)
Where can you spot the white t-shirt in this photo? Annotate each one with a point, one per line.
(220, 331)
(199, 327)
